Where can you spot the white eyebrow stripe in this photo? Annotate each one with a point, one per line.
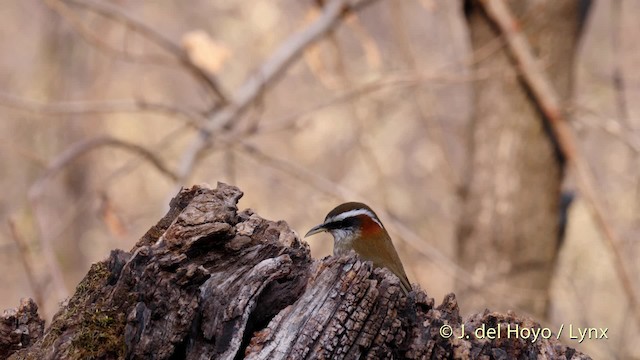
(354, 213)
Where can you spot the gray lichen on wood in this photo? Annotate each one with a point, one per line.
(209, 281)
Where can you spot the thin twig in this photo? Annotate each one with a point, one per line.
(82, 147)
(397, 80)
(81, 205)
(112, 12)
(25, 257)
(65, 158)
(549, 102)
(392, 81)
(437, 133)
(614, 128)
(269, 72)
(165, 143)
(193, 118)
(99, 41)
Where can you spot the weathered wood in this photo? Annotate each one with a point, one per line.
(209, 281)
(19, 327)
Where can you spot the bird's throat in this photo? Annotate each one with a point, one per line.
(343, 241)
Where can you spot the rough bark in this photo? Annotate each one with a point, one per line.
(19, 327)
(508, 238)
(209, 281)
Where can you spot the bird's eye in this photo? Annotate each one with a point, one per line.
(335, 225)
(350, 222)
(343, 224)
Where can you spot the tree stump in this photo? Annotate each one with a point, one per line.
(211, 282)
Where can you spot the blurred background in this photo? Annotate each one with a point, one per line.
(415, 107)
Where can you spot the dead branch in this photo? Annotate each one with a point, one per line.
(268, 73)
(550, 104)
(99, 43)
(58, 164)
(193, 118)
(210, 281)
(391, 81)
(83, 147)
(115, 13)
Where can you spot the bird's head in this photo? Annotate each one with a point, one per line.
(355, 226)
(350, 222)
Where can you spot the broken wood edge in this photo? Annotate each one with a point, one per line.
(210, 280)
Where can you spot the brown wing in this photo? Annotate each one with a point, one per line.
(382, 254)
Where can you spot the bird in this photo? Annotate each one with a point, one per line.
(355, 226)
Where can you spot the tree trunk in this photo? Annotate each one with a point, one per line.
(210, 282)
(508, 238)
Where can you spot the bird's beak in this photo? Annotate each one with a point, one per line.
(316, 229)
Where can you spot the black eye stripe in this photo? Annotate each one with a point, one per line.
(343, 224)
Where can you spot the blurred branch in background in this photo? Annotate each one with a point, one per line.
(608, 126)
(27, 261)
(508, 230)
(57, 165)
(83, 147)
(246, 95)
(381, 110)
(85, 107)
(117, 14)
(549, 103)
(288, 51)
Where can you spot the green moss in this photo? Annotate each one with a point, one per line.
(98, 331)
(96, 278)
(101, 335)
